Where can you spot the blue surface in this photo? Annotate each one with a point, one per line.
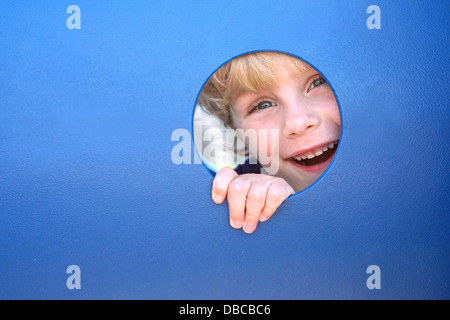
(87, 179)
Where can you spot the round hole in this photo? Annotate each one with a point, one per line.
(269, 113)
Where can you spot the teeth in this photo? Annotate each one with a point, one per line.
(318, 153)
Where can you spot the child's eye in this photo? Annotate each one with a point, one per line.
(318, 81)
(262, 105)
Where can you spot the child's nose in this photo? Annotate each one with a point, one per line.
(299, 119)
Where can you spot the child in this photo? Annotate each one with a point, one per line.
(272, 92)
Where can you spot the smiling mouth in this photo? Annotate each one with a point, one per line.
(316, 156)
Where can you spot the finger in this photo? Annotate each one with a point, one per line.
(221, 182)
(255, 202)
(237, 195)
(276, 194)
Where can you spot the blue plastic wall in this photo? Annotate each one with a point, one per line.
(86, 176)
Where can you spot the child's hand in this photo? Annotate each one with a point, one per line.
(251, 197)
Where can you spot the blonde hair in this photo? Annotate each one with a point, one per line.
(251, 72)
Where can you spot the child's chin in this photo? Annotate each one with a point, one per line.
(299, 186)
(299, 180)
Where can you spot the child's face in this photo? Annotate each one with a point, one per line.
(304, 110)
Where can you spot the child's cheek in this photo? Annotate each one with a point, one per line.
(331, 109)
